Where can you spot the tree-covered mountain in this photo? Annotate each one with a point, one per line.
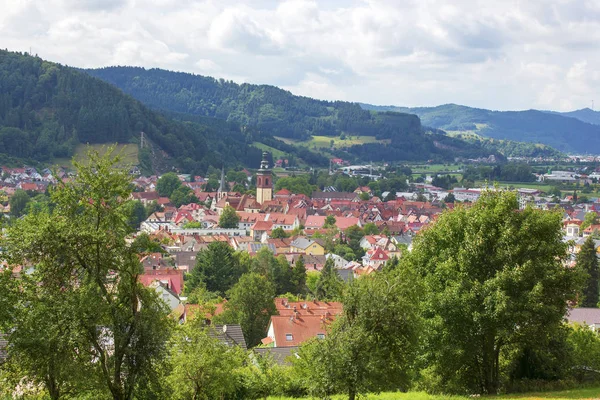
(274, 111)
(559, 131)
(585, 114)
(46, 109)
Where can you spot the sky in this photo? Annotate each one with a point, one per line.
(502, 55)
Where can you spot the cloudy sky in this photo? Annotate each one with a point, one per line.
(498, 54)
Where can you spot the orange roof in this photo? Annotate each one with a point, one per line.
(292, 331)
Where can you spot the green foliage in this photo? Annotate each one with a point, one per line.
(591, 218)
(250, 305)
(218, 267)
(167, 184)
(18, 202)
(329, 221)
(587, 266)
(329, 286)
(183, 195)
(202, 367)
(371, 346)
(298, 277)
(279, 233)
(192, 225)
(511, 172)
(486, 269)
(229, 218)
(46, 109)
(92, 308)
(370, 229)
(585, 351)
(144, 244)
(296, 184)
(135, 213)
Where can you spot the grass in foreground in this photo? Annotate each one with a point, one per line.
(584, 393)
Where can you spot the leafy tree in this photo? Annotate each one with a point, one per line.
(144, 244)
(217, 266)
(167, 184)
(136, 214)
(371, 346)
(39, 203)
(450, 198)
(81, 246)
(353, 236)
(364, 196)
(18, 202)
(275, 269)
(296, 184)
(202, 366)
(250, 305)
(298, 278)
(587, 264)
(370, 229)
(585, 351)
(183, 195)
(279, 233)
(329, 286)
(329, 221)
(192, 225)
(229, 218)
(486, 270)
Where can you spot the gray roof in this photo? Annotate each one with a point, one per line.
(301, 242)
(233, 335)
(280, 354)
(346, 274)
(255, 247)
(584, 315)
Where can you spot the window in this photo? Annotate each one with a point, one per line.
(320, 336)
(289, 337)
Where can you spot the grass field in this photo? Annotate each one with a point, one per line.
(324, 142)
(434, 168)
(584, 393)
(276, 153)
(129, 153)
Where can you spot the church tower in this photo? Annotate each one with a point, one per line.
(264, 181)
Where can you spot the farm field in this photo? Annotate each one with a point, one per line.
(583, 393)
(128, 151)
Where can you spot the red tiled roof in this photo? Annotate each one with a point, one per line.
(301, 328)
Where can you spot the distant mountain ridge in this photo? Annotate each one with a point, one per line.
(277, 112)
(574, 132)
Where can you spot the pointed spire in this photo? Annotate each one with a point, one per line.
(222, 185)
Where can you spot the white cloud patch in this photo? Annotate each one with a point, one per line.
(501, 55)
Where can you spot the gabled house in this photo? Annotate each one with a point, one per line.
(304, 245)
(375, 258)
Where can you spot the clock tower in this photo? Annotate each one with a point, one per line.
(264, 181)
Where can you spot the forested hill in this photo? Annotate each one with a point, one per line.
(269, 108)
(274, 111)
(553, 129)
(46, 109)
(585, 114)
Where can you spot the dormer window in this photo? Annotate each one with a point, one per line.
(289, 337)
(320, 336)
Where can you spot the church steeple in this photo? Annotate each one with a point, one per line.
(222, 192)
(264, 181)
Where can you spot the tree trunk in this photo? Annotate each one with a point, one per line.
(351, 394)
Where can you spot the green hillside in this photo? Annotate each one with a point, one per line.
(396, 136)
(47, 110)
(585, 114)
(553, 129)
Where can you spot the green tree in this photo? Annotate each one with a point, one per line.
(591, 218)
(364, 196)
(229, 218)
(486, 270)
(585, 351)
(329, 285)
(371, 346)
(218, 267)
(370, 229)
(250, 305)
(144, 244)
(450, 198)
(587, 265)
(167, 184)
(201, 366)
(81, 245)
(275, 269)
(136, 214)
(298, 278)
(18, 203)
(329, 221)
(279, 233)
(183, 195)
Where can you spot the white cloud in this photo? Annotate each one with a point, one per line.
(501, 55)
